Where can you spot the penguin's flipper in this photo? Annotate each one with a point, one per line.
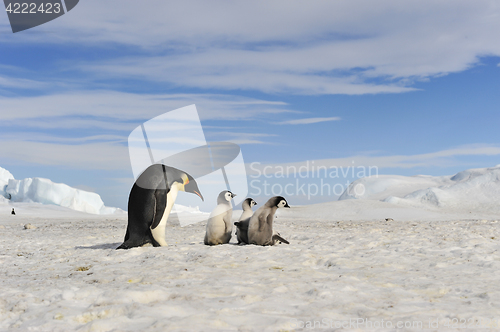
(160, 196)
(277, 237)
(243, 225)
(262, 221)
(227, 222)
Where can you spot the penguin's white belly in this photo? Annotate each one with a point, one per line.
(159, 231)
(217, 227)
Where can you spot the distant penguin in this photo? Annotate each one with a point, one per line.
(242, 224)
(13, 212)
(219, 226)
(260, 227)
(150, 202)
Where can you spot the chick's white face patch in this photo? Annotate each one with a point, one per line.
(282, 203)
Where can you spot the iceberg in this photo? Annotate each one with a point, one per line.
(44, 191)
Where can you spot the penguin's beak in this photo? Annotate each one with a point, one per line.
(233, 195)
(192, 187)
(197, 193)
(288, 206)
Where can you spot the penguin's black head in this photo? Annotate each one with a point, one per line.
(250, 202)
(225, 196)
(278, 201)
(182, 180)
(160, 176)
(190, 185)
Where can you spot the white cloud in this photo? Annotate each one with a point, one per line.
(313, 47)
(234, 70)
(239, 137)
(30, 121)
(106, 107)
(310, 120)
(47, 138)
(20, 83)
(433, 159)
(92, 156)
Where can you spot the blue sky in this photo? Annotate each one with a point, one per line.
(409, 87)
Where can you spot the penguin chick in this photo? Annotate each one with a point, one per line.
(219, 226)
(242, 223)
(260, 227)
(247, 206)
(242, 230)
(150, 202)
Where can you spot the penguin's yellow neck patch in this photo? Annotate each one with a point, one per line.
(185, 180)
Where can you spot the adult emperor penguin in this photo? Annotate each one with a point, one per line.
(260, 227)
(242, 223)
(219, 226)
(150, 202)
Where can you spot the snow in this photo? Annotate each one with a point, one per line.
(467, 191)
(345, 263)
(44, 191)
(181, 208)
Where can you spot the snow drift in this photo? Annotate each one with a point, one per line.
(44, 191)
(470, 190)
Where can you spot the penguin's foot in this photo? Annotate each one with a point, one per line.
(133, 244)
(161, 243)
(123, 246)
(278, 238)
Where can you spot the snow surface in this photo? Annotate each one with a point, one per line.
(344, 262)
(44, 191)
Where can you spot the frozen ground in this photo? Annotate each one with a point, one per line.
(65, 274)
(345, 266)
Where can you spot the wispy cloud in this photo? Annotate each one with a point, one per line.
(242, 69)
(48, 138)
(40, 129)
(328, 47)
(113, 105)
(240, 138)
(433, 159)
(309, 120)
(21, 83)
(90, 156)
